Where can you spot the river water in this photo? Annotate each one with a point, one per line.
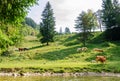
(57, 78)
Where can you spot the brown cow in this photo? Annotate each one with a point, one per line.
(98, 50)
(102, 59)
(22, 49)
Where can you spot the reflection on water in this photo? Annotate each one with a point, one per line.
(39, 78)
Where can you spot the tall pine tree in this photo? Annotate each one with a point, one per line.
(47, 26)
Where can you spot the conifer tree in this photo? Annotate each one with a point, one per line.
(67, 30)
(47, 26)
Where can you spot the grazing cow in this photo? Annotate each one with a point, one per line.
(22, 49)
(79, 49)
(102, 59)
(98, 50)
(82, 49)
(93, 61)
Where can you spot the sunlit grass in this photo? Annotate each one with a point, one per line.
(61, 56)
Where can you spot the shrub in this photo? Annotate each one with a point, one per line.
(7, 53)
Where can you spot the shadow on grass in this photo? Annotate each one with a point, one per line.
(98, 39)
(114, 53)
(57, 55)
(111, 53)
(37, 47)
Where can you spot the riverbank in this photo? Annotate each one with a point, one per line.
(104, 74)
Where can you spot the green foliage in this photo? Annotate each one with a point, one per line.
(28, 30)
(6, 53)
(108, 13)
(14, 11)
(85, 22)
(111, 17)
(4, 40)
(47, 25)
(13, 34)
(99, 15)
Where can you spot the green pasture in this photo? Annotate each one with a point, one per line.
(62, 56)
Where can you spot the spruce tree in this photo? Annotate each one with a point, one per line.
(47, 26)
(67, 30)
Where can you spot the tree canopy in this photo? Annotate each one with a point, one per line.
(85, 22)
(111, 19)
(14, 11)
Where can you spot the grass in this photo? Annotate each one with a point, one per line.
(61, 56)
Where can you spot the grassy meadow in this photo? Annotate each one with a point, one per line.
(62, 56)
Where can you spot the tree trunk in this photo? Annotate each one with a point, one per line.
(47, 43)
(84, 38)
(100, 26)
(84, 43)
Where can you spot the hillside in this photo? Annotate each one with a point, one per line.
(62, 56)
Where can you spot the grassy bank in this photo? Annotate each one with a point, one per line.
(61, 56)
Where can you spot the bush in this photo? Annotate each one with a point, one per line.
(7, 53)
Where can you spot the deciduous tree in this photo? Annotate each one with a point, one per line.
(86, 21)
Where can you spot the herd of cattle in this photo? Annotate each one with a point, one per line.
(101, 59)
